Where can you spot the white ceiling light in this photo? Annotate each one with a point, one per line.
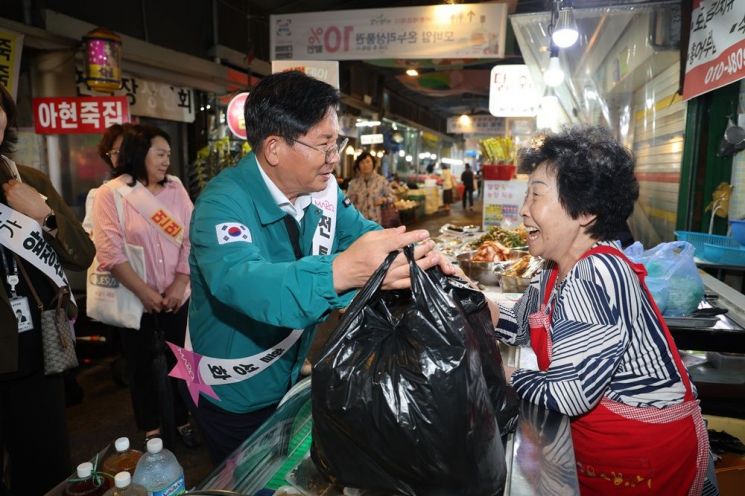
(464, 120)
(363, 123)
(401, 153)
(549, 109)
(566, 34)
(412, 72)
(553, 76)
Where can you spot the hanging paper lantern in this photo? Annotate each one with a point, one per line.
(103, 60)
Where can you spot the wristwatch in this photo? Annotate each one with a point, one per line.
(50, 222)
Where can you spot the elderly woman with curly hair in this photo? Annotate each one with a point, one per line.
(605, 355)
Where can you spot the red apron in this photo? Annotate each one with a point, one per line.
(621, 449)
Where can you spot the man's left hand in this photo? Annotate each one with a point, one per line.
(25, 199)
(426, 257)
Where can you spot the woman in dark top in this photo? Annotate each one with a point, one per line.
(32, 405)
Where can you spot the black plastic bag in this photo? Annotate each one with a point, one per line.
(404, 393)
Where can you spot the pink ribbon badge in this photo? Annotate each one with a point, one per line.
(187, 368)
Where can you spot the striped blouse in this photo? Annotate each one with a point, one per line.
(606, 341)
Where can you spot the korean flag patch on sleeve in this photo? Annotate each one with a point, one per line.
(232, 232)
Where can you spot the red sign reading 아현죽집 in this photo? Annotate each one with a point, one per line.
(79, 115)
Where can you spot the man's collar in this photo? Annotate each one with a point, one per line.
(269, 211)
(270, 202)
(301, 202)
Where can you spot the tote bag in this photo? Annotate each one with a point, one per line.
(108, 301)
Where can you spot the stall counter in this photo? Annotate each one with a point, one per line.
(539, 455)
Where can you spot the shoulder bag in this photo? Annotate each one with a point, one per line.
(57, 333)
(107, 299)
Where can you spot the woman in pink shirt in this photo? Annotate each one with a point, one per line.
(156, 211)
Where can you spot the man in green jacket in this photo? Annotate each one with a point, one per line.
(275, 248)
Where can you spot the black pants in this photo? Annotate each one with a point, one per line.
(468, 195)
(140, 353)
(221, 430)
(34, 433)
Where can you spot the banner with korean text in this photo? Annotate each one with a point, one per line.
(434, 31)
(79, 115)
(149, 98)
(323, 70)
(716, 50)
(11, 46)
(502, 202)
(476, 124)
(511, 92)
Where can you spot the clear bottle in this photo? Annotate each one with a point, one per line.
(125, 459)
(87, 484)
(123, 486)
(159, 472)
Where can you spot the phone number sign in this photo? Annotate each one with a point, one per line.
(435, 31)
(716, 50)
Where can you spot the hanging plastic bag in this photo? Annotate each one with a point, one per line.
(672, 276)
(405, 392)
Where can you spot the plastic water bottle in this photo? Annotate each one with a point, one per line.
(159, 472)
(86, 484)
(123, 486)
(125, 459)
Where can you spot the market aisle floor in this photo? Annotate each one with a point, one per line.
(106, 412)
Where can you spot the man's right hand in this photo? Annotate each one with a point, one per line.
(353, 267)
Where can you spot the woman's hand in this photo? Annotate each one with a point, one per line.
(25, 199)
(174, 294)
(151, 299)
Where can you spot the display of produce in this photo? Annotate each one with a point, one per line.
(459, 229)
(509, 238)
(516, 278)
(405, 204)
(525, 267)
(491, 251)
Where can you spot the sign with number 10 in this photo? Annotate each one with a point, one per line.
(435, 31)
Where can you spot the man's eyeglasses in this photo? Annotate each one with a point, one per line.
(112, 153)
(330, 152)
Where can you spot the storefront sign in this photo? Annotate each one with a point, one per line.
(79, 115)
(716, 50)
(150, 98)
(371, 139)
(476, 124)
(502, 202)
(11, 46)
(511, 92)
(235, 116)
(328, 72)
(435, 31)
